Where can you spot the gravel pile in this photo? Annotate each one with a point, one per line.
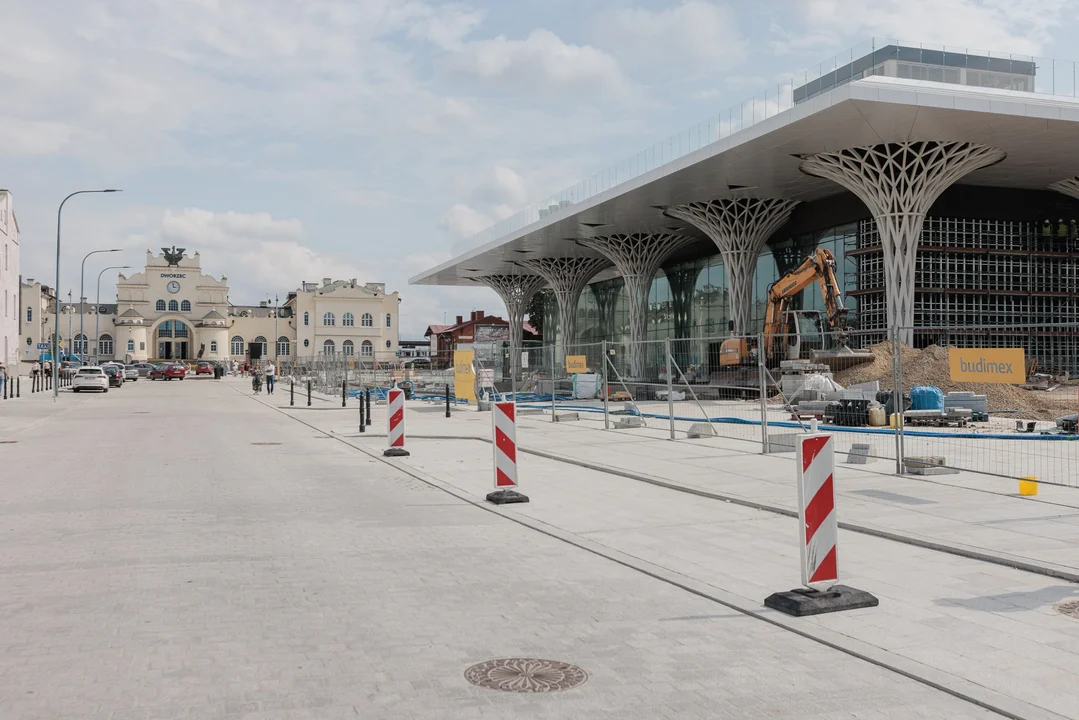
(930, 367)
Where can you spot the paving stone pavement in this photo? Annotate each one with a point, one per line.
(177, 550)
(976, 622)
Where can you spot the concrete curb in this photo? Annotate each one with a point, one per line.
(973, 693)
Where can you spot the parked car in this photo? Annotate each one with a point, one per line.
(144, 369)
(90, 378)
(115, 373)
(168, 371)
(204, 367)
(131, 373)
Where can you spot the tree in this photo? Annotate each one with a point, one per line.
(534, 310)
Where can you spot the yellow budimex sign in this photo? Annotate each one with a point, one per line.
(464, 377)
(1004, 366)
(576, 364)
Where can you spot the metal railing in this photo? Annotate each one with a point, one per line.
(711, 387)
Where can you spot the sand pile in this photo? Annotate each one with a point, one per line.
(930, 367)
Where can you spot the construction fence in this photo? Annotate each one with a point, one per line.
(1011, 427)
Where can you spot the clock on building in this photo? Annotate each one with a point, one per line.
(174, 287)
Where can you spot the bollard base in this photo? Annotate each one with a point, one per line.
(803, 601)
(506, 497)
(395, 452)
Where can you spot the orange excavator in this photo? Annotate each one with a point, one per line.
(781, 328)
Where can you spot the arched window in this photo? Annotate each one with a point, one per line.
(213, 346)
(79, 344)
(282, 346)
(328, 347)
(367, 320)
(104, 345)
(29, 315)
(367, 349)
(389, 320)
(348, 320)
(131, 346)
(329, 320)
(179, 329)
(307, 318)
(174, 306)
(237, 345)
(260, 339)
(348, 348)
(185, 306)
(159, 306)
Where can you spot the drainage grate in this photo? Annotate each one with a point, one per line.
(526, 675)
(265, 443)
(1069, 608)
(8, 442)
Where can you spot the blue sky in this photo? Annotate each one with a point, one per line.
(292, 140)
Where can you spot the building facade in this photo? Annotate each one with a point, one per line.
(945, 184)
(172, 310)
(346, 318)
(9, 281)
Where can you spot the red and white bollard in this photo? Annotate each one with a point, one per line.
(818, 536)
(504, 426)
(395, 419)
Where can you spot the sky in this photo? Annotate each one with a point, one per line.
(292, 140)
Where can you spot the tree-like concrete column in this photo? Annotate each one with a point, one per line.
(1069, 187)
(899, 182)
(568, 277)
(638, 256)
(516, 292)
(739, 227)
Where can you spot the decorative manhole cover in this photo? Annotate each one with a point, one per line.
(1069, 608)
(526, 675)
(265, 443)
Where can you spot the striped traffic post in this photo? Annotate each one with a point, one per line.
(818, 536)
(395, 421)
(504, 427)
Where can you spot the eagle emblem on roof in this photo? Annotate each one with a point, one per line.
(173, 255)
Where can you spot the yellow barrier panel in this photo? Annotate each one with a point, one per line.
(576, 364)
(464, 377)
(1003, 366)
(1028, 485)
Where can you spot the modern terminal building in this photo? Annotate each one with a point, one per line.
(944, 183)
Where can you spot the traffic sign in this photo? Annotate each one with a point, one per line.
(42, 346)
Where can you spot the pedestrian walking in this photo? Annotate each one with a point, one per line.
(256, 381)
(3, 378)
(35, 372)
(271, 377)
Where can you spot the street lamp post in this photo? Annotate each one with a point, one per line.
(70, 310)
(276, 312)
(97, 315)
(56, 323)
(82, 295)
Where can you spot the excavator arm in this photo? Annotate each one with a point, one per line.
(819, 268)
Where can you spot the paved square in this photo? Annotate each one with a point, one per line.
(182, 551)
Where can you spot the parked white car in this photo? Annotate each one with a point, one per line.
(90, 378)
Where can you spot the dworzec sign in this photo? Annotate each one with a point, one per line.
(1004, 366)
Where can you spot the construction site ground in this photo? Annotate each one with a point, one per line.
(972, 579)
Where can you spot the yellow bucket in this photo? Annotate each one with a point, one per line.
(1028, 485)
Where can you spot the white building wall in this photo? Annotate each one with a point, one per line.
(9, 283)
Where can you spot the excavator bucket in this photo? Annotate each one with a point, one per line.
(841, 358)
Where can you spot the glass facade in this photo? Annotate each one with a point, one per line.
(979, 283)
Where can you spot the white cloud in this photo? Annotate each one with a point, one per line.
(261, 254)
(693, 38)
(542, 64)
(462, 221)
(1016, 26)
